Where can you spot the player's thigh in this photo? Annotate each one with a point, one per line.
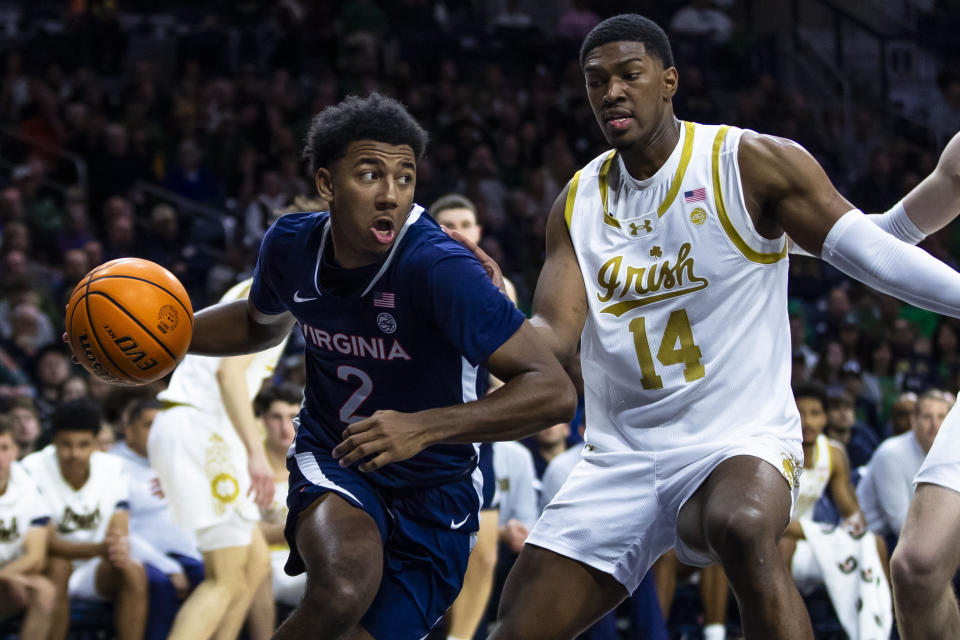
(929, 536)
(109, 579)
(551, 597)
(744, 497)
(227, 565)
(336, 539)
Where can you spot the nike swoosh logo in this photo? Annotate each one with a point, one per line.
(457, 525)
(298, 298)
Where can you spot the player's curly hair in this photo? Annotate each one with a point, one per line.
(374, 117)
(630, 27)
(81, 414)
(811, 389)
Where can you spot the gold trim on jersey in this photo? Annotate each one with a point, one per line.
(571, 197)
(685, 154)
(749, 252)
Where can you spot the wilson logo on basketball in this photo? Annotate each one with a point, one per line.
(128, 346)
(168, 319)
(95, 365)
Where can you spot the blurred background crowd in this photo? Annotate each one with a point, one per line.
(174, 131)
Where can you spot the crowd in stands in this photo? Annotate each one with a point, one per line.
(184, 148)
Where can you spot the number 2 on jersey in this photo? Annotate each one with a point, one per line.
(687, 353)
(348, 412)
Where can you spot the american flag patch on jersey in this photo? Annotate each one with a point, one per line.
(383, 299)
(697, 195)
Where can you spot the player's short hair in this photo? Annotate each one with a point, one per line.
(374, 117)
(452, 201)
(283, 392)
(630, 27)
(23, 402)
(934, 394)
(137, 406)
(839, 400)
(81, 414)
(811, 389)
(6, 425)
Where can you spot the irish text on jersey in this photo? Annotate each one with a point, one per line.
(641, 286)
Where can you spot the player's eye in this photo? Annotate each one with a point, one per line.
(633, 75)
(368, 175)
(407, 179)
(593, 84)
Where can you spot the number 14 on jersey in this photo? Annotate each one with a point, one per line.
(676, 347)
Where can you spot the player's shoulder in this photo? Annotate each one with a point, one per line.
(20, 479)
(39, 464)
(294, 227)
(426, 244)
(106, 465)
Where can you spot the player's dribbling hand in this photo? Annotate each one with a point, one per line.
(261, 479)
(384, 437)
(489, 264)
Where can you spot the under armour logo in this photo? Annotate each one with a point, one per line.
(634, 229)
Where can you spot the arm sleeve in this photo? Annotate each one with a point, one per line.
(863, 251)
(473, 314)
(263, 293)
(895, 221)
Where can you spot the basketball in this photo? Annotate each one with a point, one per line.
(129, 321)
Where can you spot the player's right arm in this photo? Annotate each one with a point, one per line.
(236, 328)
(560, 299)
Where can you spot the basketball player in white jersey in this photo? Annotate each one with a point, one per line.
(209, 457)
(24, 592)
(666, 257)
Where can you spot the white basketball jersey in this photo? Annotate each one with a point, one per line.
(21, 508)
(687, 340)
(814, 480)
(194, 381)
(80, 515)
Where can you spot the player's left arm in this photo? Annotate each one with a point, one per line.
(785, 188)
(537, 394)
(232, 382)
(844, 495)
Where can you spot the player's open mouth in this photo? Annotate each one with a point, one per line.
(383, 231)
(619, 123)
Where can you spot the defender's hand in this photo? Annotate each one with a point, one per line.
(384, 437)
(489, 264)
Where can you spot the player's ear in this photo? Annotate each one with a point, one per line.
(324, 180)
(669, 81)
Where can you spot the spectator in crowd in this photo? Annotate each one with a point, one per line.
(517, 485)
(813, 554)
(24, 591)
(170, 554)
(276, 407)
(858, 439)
(88, 493)
(886, 487)
(25, 425)
(547, 445)
(701, 20)
(51, 370)
(901, 414)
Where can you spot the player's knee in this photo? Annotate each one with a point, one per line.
(43, 596)
(58, 571)
(916, 572)
(342, 600)
(732, 533)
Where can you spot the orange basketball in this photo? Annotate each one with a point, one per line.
(129, 321)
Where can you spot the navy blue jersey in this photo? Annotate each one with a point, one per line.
(412, 338)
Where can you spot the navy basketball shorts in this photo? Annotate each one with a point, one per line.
(427, 534)
(491, 498)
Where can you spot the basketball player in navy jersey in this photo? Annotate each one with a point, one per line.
(399, 323)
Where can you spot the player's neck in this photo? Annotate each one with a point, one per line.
(345, 256)
(3, 484)
(645, 158)
(76, 481)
